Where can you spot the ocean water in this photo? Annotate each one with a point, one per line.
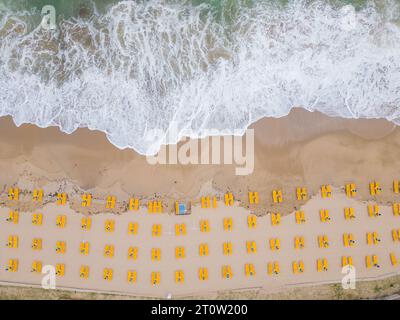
(128, 68)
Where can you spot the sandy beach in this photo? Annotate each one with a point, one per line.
(289, 152)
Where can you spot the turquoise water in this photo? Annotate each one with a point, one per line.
(136, 69)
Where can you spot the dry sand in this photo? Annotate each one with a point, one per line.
(302, 149)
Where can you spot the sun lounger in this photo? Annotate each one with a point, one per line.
(349, 213)
(156, 254)
(300, 217)
(347, 261)
(203, 249)
(324, 215)
(373, 210)
(86, 223)
(227, 248)
(274, 244)
(396, 186)
(13, 194)
(155, 206)
(348, 239)
(396, 209)
(253, 197)
(229, 200)
(372, 238)
(298, 267)
(133, 204)
(323, 241)
(84, 248)
(61, 221)
(251, 246)
(204, 226)
(37, 195)
(156, 230)
(179, 276)
(228, 224)
(109, 226)
(61, 199)
(37, 219)
(108, 251)
(351, 190)
(276, 219)
(179, 252)
(273, 268)
(155, 278)
(110, 203)
(61, 247)
(60, 269)
(301, 193)
(249, 270)
(12, 265)
(396, 235)
(12, 242)
(13, 217)
(277, 196)
(206, 202)
(393, 259)
(203, 274)
(133, 228)
(84, 272)
(371, 261)
(132, 276)
(226, 272)
(36, 244)
(326, 191)
(108, 274)
(322, 265)
(86, 200)
(374, 188)
(36, 267)
(251, 221)
(299, 242)
(180, 229)
(133, 253)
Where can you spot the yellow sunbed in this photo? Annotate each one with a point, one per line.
(13, 217)
(84, 272)
(133, 204)
(322, 265)
(373, 210)
(156, 254)
(12, 265)
(251, 246)
(228, 224)
(229, 200)
(156, 230)
(203, 274)
(13, 194)
(277, 196)
(204, 226)
(61, 247)
(227, 248)
(300, 217)
(110, 202)
(36, 267)
(206, 202)
(371, 261)
(132, 276)
(326, 191)
(349, 213)
(301, 193)
(251, 221)
(323, 241)
(324, 215)
(273, 268)
(109, 226)
(86, 200)
(275, 244)
(374, 188)
(37, 219)
(348, 239)
(12, 242)
(253, 197)
(396, 235)
(180, 229)
(61, 199)
(373, 238)
(61, 221)
(226, 272)
(108, 274)
(298, 267)
(60, 269)
(84, 248)
(275, 219)
(133, 228)
(37, 195)
(179, 252)
(155, 278)
(351, 190)
(37, 244)
(393, 259)
(108, 251)
(86, 223)
(299, 242)
(155, 206)
(179, 276)
(396, 186)
(203, 249)
(133, 253)
(249, 270)
(396, 209)
(347, 261)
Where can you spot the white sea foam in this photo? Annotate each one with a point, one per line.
(147, 65)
